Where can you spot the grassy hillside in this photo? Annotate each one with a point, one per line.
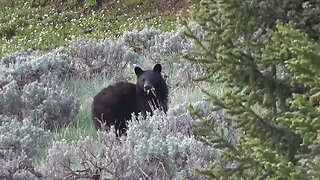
(47, 24)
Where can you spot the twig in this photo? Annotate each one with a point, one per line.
(144, 173)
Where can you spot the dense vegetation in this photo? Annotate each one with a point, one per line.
(48, 24)
(266, 54)
(42, 91)
(244, 97)
(51, 89)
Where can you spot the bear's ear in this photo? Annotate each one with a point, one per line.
(138, 71)
(157, 68)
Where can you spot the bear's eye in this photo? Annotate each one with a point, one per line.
(143, 80)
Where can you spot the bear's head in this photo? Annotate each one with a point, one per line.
(151, 82)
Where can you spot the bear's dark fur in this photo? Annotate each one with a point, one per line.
(114, 104)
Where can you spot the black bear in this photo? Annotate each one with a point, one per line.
(114, 104)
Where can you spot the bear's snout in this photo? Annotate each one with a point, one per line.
(148, 88)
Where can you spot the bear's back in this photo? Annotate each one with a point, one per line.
(114, 104)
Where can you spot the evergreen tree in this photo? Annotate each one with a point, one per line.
(267, 56)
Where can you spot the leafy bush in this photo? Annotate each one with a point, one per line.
(149, 45)
(52, 104)
(32, 96)
(18, 141)
(161, 146)
(90, 3)
(158, 45)
(32, 87)
(100, 57)
(181, 73)
(28, 66)
(269, 67)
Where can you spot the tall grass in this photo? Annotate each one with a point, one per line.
(84, 90)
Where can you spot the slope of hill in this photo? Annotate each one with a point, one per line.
(47, 24)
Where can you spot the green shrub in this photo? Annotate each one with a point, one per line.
(268, 63)
(146, 46)
(159, 147)
(90, 3)
(32, 86)
(18, 143)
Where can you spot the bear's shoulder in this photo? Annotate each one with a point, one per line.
(120, 87)
(116, 92)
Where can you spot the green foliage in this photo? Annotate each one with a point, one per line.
(32, 87)
(90, 3)
(45, 25)
(18, 142)
(144, 47)
(268, 61)
(158, 147)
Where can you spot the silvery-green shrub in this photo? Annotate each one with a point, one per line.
(100, 56)
(32, 96)
(18, 141)
(32, 85)
(146, 46)
(11, 103)
(28, 66)
(158, 147)
(182, 73)
(48, 101)
(165, 146)
(157, 45)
